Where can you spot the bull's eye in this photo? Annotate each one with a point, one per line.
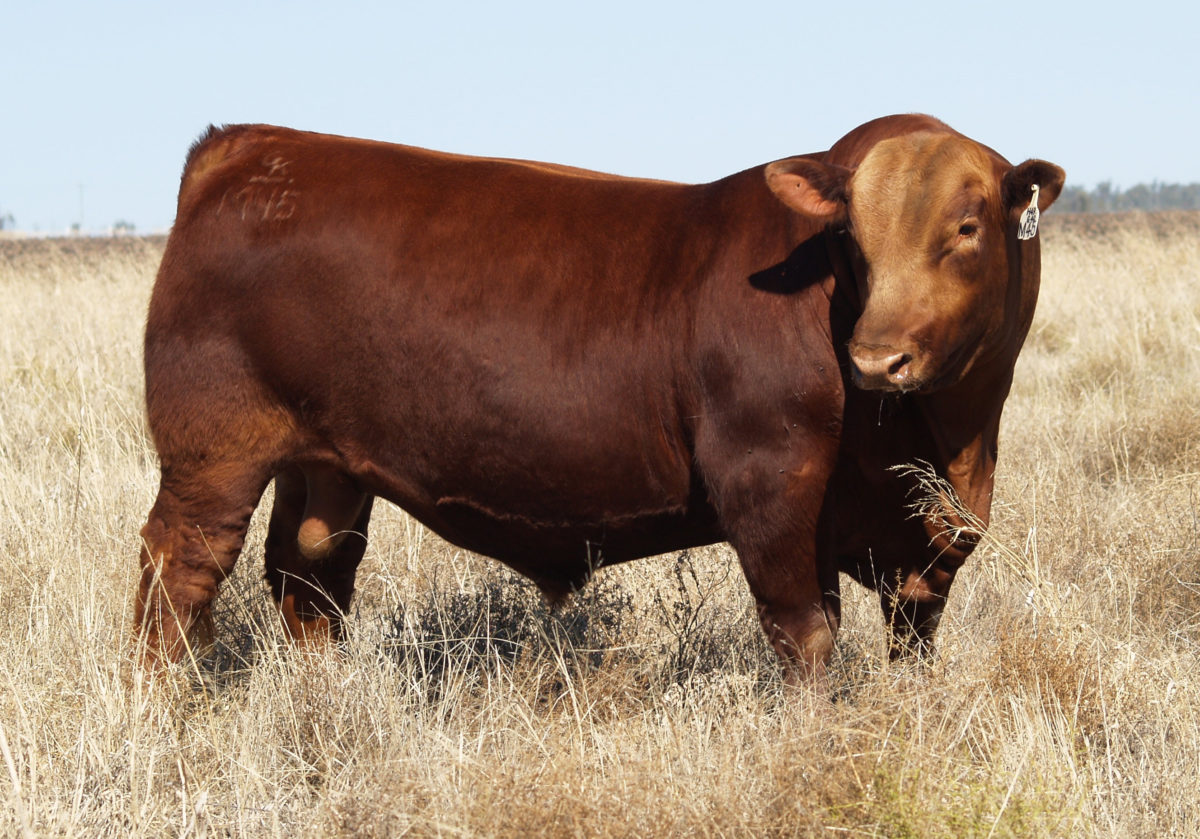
(968, 230)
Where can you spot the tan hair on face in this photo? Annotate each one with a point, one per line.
(906, 187)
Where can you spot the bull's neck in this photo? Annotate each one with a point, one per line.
(752, 216)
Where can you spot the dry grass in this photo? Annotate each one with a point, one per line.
(1064, 700)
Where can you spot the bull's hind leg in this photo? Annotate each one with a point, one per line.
(220, 435)
(315, 542)
(189, 545)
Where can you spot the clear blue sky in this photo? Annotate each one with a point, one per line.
(110, 95)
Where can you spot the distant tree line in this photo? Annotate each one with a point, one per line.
(1105, 199)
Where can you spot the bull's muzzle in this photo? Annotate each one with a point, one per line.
(882, 368)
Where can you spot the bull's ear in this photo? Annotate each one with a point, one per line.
(1020, 180)
(811, 188)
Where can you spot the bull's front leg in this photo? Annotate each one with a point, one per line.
(912, 608)
(799, 603)
(914, 593)
(771, 515)
(928, 551)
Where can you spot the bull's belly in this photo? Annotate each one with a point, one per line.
(562, 554)
(548, 530)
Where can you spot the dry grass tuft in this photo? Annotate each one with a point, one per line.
(1063, 701)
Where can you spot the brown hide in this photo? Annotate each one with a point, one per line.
(557, 368)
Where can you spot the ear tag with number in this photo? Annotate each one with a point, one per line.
(1029, 218)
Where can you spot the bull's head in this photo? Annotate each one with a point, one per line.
(933, 217)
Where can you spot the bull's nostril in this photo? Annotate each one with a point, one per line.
(898, 368)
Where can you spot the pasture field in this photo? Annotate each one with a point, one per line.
(1064, 699)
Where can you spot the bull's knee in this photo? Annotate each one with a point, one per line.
(803, 638)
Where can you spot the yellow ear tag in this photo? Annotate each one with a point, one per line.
(1029, 218)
